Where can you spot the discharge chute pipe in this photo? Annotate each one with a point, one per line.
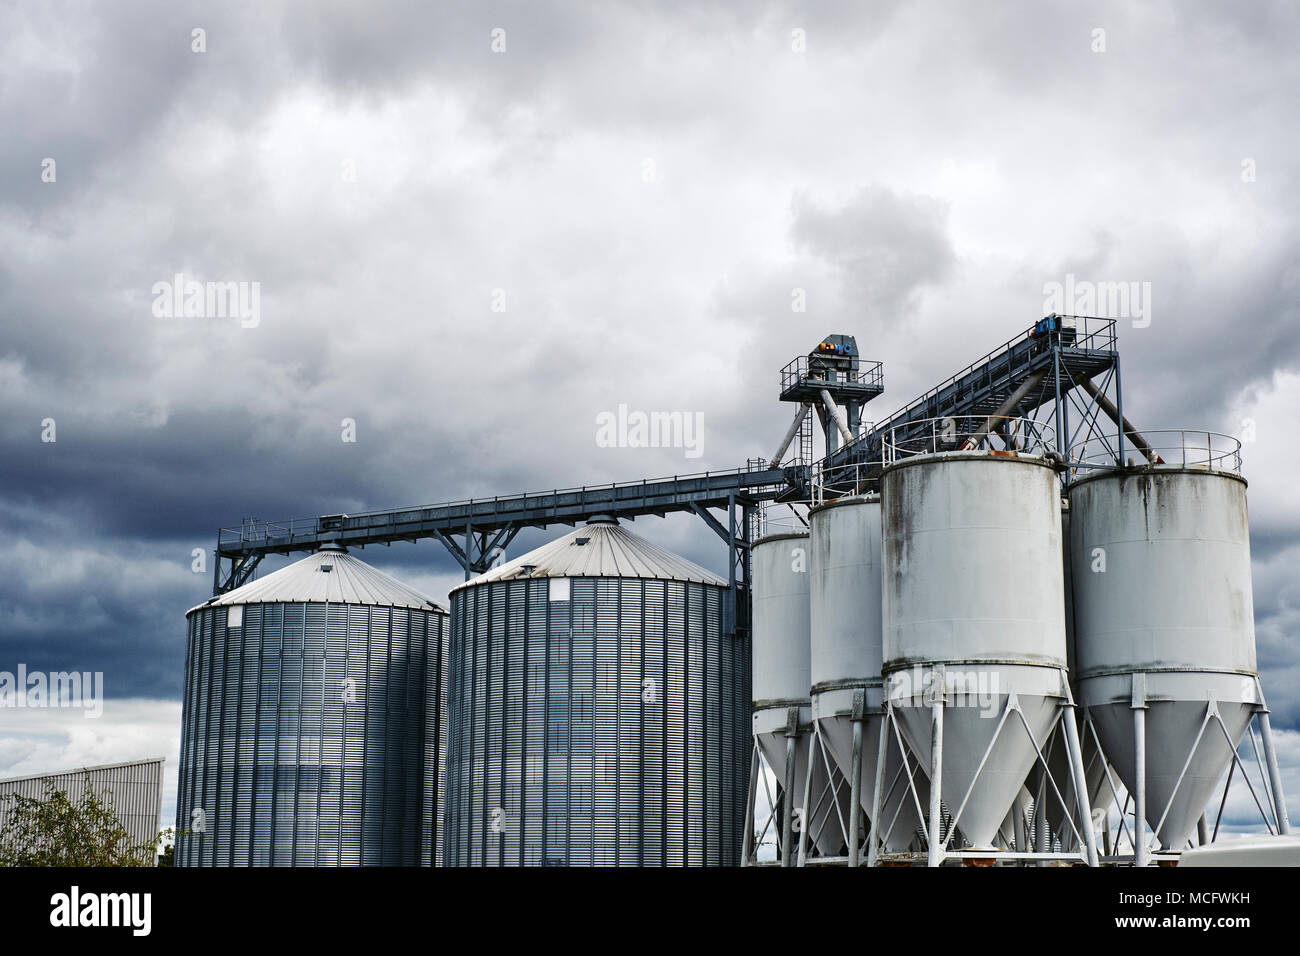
(840, 421)
(789, 436)
(1107, 406)
(1004, 409)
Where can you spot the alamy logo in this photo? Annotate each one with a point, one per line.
(635, 429)
(192, 299)
(74, 908)
(922, 687)
(1111, 300)
(38, 689)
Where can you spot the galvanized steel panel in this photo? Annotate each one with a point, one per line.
(133, 790)
(611, 728)
(287, 771)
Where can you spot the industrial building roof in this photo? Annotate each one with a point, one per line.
(330, 575)
(600, 549)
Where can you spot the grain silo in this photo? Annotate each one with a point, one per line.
(782, 712)
(1165, 631)
(974, 629)
(597, 713)
(846, 663)
(311, 721)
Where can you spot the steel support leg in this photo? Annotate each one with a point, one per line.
(1042, 833)
(1140, 786)
(747, 843)
(806, 822)
(875, 839)
(1018, 821)
(855, 770)
(1075, 753)
(1274, 776)
(787, 819)
(936, 782)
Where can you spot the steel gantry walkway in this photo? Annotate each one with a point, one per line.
(1064, 366)
(486, 526)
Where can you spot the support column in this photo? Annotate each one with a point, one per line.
(1274, 776)
(747, 841)
(1075, 754)
(1042, 832)
(858, 715)
(787, 818)
(936, 778)
(805, 822)
(1139, 705)
(874, 837)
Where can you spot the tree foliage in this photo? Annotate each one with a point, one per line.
(55, 830)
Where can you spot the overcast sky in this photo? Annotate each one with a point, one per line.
(472, 243)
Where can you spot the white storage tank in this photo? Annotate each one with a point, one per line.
(847, 654)
(973, 590)
(781, 677)
(1165, 623)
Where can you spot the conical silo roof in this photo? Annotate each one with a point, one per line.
(330, 575)
(599, 549)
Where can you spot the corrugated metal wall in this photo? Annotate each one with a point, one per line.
(133, 790)
(557, 755)
(289, 772)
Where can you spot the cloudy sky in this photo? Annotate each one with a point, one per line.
(476, 226)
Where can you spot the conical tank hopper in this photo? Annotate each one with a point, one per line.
(980, 799)
(821, 817)
(899, 816)
(1172, 726)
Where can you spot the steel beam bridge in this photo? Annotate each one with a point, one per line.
(1040, 369)
(486, 526)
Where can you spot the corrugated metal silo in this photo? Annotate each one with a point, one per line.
(1167, 629)
(973, 590)
(311, 721)
(597, 713)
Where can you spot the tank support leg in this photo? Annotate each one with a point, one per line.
(1042, 833)
(936, 779)
(1140, 770)
(876, 839)
(1274, 777)
(787, 819)
(858, 715)
(1075, 753)
(806, 821)
(747, 842)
